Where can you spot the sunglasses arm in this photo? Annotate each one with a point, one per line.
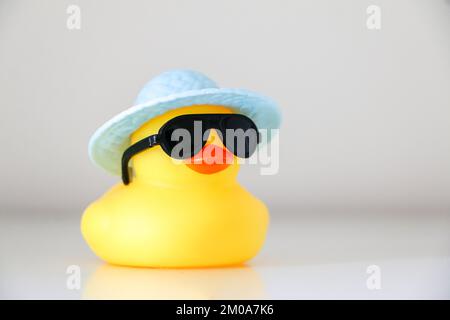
(134, 149)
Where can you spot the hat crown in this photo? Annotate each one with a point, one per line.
(174, 82)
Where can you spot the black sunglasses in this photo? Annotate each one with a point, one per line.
(238, 133)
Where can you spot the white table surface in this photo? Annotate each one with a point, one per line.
(306, 256)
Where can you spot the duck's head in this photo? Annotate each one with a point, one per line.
(213, 164)
(171, 94)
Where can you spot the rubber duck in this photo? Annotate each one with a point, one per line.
(172, 212)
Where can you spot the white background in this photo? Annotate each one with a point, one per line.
(365, 157)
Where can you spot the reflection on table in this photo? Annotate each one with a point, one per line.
(113, 282)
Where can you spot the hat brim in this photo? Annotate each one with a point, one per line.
(108, 143)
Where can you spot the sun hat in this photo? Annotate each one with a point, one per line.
(171, 90)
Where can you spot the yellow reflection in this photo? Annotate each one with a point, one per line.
(113, 282)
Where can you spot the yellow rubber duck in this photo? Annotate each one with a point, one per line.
(176, 213)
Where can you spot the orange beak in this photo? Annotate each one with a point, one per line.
(211, 159)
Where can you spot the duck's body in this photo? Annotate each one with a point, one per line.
(165, 226)
(171, 215)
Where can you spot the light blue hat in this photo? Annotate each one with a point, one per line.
(171, 90)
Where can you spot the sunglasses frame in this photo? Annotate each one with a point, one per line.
(212, 121)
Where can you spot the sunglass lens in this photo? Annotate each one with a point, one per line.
(179, 139)
(241, 135)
